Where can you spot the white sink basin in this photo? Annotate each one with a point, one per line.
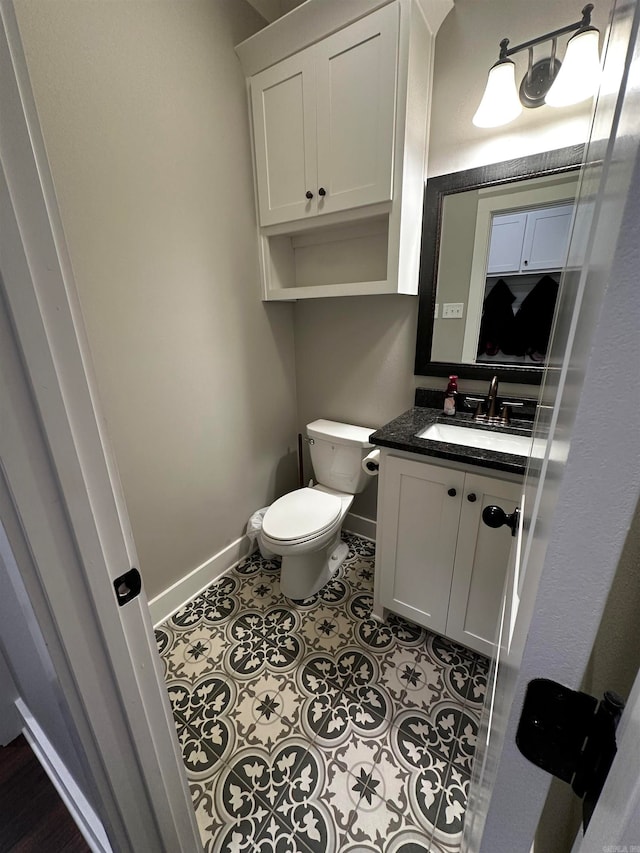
(518, 445)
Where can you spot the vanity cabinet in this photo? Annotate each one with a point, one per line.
(437, 563)
(339, 97)
(323, 123)
(529, 241)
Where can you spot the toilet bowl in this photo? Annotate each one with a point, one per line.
(304, 529)
(304, 526)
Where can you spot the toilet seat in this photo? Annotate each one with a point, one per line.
(301, 516)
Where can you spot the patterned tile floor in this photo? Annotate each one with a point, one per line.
(310, 727)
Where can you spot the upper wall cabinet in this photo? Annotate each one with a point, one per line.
(530, 241)
(323, 123)
(339, 98)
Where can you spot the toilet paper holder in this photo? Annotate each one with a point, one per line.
(371, 463)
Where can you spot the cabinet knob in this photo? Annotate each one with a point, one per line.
(322, 191)
(472, 498)
(452, 493)
(526, 263)
(308, 194)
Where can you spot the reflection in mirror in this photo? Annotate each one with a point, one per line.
(504, 276)
(494, 246)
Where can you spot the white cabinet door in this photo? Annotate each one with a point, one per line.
(356, 80)
(324, 122)
(505, 246)
(546, 239)
(481, 560)
(437, 563)
(418, 522)
(283, 103)
(529, 241)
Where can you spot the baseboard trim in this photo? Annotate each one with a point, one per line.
(359, 525)
(178, 594)
(77, 805)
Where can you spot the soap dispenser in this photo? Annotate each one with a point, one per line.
(450, 396)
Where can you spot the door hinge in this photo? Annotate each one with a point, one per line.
(127, 586)
(570, 735)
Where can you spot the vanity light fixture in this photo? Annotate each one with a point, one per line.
(547, 81)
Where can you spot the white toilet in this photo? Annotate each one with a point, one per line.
(304, 526)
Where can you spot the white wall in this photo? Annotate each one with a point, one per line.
(467, 45)
(144, 114)
(354, 357)
(457, 239)
(354, 363)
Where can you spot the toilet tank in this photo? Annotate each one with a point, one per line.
(337, 451)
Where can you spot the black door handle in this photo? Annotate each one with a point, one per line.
(495, 516)
(127, 586)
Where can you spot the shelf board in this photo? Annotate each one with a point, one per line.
(358, 288)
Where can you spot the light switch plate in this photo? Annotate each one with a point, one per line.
(452, 310)
(436, 311)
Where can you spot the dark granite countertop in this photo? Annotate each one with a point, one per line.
(400, 434)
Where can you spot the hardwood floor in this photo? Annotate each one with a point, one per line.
(32, 815)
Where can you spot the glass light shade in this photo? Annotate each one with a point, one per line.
(579, 75)
(500, 103)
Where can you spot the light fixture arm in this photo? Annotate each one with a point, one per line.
(552, 60)
(530, 67)
(583, 24)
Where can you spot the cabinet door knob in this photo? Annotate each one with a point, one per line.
(308, 194)
(472, 498)
(322, 191)
(452, 493)
(526, 263)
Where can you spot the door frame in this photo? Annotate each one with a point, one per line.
(69, 504)
(9, 719)
(615, 823)
(592, 466)
(61, 476)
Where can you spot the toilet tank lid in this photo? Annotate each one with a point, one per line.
(340, 433)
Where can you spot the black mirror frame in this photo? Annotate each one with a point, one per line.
(436, 189)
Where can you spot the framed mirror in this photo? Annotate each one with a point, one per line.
(494, 243)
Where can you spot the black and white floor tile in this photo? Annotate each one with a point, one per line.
(309, 727)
